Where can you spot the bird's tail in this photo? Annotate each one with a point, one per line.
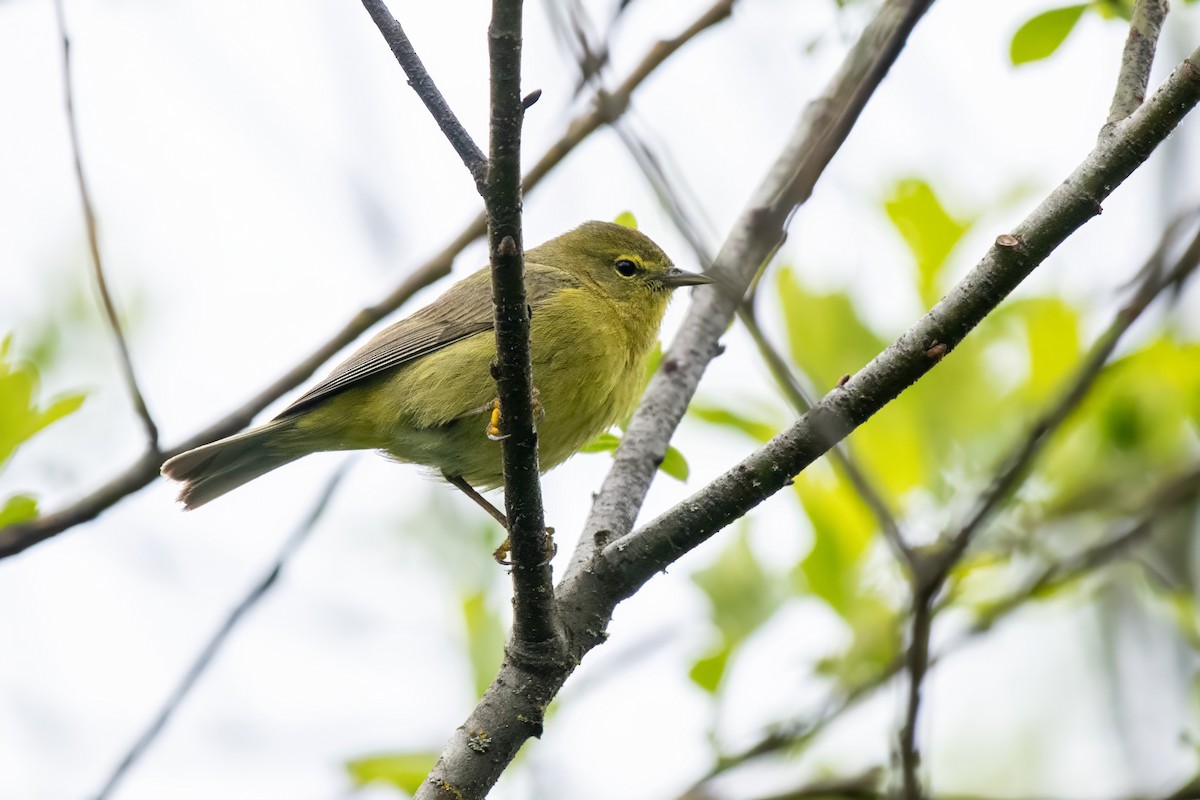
(214, 469)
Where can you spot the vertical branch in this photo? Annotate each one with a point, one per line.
(89, 218)
(533, 595)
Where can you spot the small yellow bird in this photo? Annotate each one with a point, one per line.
(421, 391)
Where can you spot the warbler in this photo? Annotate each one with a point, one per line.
(422, 391)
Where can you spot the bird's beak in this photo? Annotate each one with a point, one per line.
(677, 277)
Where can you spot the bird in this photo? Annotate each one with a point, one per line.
(422, 391)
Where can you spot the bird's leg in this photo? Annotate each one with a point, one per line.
(501, 552)
(493, 426)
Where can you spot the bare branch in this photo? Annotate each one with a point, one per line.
(535, 634)
(640, 555)
(89, 218)
(606, 109)
(421, 82)
(1137, 59)
(1167, 498)
(205, 658)
(819, 134)
(1016, 465)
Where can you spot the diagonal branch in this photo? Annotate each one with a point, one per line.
(757, 233)
(635, 558)
(605, 109)
(89, 218)
(421, 82)
(206, 655)
(1015, 467)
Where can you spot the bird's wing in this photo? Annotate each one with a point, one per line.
(464, 310)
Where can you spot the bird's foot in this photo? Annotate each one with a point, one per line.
(502, 552)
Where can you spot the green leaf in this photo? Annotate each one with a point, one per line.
(826, 337)
(18, 508)
(742, 596)
(757, 430)
(877, 635)
(20, 417)
(626, 219)
(929, 230)
(405, 771)
(604, 443)
(1041, 36)
(843, 528)
(1052, 328)
(707, 672)
(485, 640)
(675, 465)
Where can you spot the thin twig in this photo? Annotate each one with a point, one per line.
(842, 456)
(214, 644)
(1016, 465)
(928, 582)
(604, 110)
(1164, 500)
(1173, 493)
(421, 82)
(89, 218)
(1145, 25)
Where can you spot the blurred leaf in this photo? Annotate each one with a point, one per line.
(742, 597)
(826, 337)
(757, 430)
(929, 230)
(842, 531)
(1052, 328)
(708, 671)
(626, 219)
(485, 640)
(18, 508)
(1140, 419)
(673, 463)
(20, 417)
(1042, 35)
(877, 636)
(405, 771)
(1115, 9)
(604, 443)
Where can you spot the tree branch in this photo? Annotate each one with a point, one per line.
(1016, 465)
(1138, 57)
(757, 233)
(214, 645)
(421, 82)
(89, 218)
(535, 634)
(606, 109)
(638, 556)
(512, 708)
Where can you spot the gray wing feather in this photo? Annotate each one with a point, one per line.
(464, 310)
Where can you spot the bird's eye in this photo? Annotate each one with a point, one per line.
(626, 268)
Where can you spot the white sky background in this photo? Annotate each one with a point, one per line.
(261, 171)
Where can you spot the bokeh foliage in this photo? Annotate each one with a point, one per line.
(22, 416)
